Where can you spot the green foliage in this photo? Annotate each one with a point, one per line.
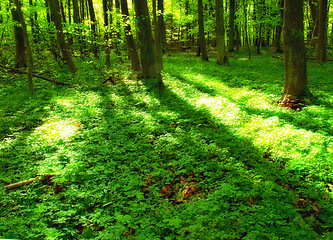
(212, 157)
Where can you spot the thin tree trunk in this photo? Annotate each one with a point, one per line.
(159, 44)
(220, 33)
(93, 26)
(245, 28)
(202, 40)
(55, 10)
(132, 50)
(106, 34)
(278, 48)
(295, 84)
(322, 32)
(27, 44)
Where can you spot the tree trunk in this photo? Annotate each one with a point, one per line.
(322, 32)
(20, 60)
(106, 34)
(278, 48)
(159, 44)
(231, 46)
(220, 33)
(245, 28)
(93, 27)
(295, 84)
(27, 44)
(55, 10)
(313, 4)
(202, 40)
(132, 51)
(159, 36)
(147, 51)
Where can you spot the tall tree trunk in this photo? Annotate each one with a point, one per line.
(48, 17)
(159, 44)
(202, 40)
(132, 51)
(106, 34)
(159, 36)
(295, 84)
(20, 60)
(313, 4)
(55, 10)
(147, 50)
(220, 33)
(231, 46)
(27, 44)
(245, 28)
(278, 48)
(322, 32)
(93, 26)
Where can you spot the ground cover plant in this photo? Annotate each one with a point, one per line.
(213, 156)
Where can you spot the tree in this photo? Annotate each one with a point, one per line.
(202, 40)
(295, 83)
(27, 45)
(278, 48)
(55, 10)
(93, 26)
(220, 33)
(322, 33)
(231, 46)
(131, 46)
(19, 38)
(106, 34)
(147, 51)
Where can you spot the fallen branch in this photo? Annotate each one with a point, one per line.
(19, 184)
(22, 183)
(36, 75)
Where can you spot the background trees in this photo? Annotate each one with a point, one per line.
(110, 29)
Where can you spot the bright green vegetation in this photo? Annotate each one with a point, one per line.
(212, 157)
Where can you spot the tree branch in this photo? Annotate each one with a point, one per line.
(37, 76)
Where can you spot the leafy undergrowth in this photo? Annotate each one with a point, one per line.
(212, 157)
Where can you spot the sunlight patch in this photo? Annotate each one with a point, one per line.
(55, 130)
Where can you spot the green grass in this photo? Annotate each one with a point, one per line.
(212, 157)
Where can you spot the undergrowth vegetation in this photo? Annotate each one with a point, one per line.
(212, 157)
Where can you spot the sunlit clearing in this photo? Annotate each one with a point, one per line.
(302, 147)
(55, 129)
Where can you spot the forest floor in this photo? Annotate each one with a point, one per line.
(213, 156)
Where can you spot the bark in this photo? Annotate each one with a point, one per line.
(220, 33)
(93, 26)
(159, 44)
(278, 48)
(322, 32)
(313, 4)
(159, 36)
(132, 50)
(20, 60)
(106, 34)
(55, 10)
(147, 50)
(33, 22)
(245, 28)
(202, 40)
(231, 46)
(27, 45)
(295, 84)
